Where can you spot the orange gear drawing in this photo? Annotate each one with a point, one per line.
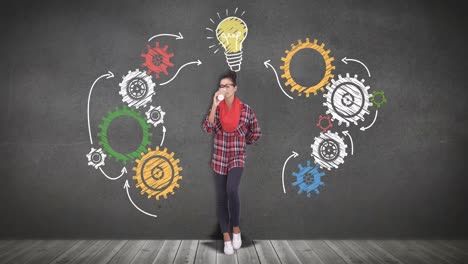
(157, 173)
(295, 87)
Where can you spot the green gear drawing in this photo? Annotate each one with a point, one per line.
(104, 142)
(382, 101)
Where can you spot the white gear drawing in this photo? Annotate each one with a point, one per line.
(155, 115)
(137, 88)
(96, 158)
(329, 150)
(347, 100)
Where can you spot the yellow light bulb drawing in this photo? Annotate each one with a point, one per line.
(231, 33)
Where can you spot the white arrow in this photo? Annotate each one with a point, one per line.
(345, 61)
(351, 139)
(164, 135)
(127, 186)
(284, 166)
(107, 75)
(198, 62)
(375, 118)
(267, 63)
(169, 35)
(124, 170)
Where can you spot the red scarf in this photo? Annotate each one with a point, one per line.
(230, 118)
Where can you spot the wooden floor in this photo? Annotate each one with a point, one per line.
(256, 251)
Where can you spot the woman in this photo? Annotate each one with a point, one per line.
(234, 125)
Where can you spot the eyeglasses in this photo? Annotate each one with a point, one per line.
(227, 85)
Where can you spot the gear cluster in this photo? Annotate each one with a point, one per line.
(347, 100)
(156, 171)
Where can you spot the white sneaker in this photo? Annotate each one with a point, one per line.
(236, 240)
(228, 250)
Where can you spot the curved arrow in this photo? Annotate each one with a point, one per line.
(345, 61)
(351, 139)
(284, 166)
(124, 170)
(198, 62)
(267, 63)
(375, 118)
(164, 135)
(169, 35)
(127, 186)
(108, 75)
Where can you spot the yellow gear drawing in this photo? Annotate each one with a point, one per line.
(157, 173)
(295, 87)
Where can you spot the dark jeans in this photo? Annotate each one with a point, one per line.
(227, 190)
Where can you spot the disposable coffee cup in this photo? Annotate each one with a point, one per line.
(220, 97)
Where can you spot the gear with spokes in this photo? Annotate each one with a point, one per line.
(329, 150)
(157, 173)
(347, 100)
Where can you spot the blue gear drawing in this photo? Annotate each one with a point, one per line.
(308, 178)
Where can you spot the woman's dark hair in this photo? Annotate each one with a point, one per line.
(231, 75)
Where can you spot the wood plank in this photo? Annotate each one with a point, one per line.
(222, 258)
(428, 256)
(345, 252)
(211, 251)
(247, 253)
(460, 245)
(304, 252)
(48, 251)
(265, 251)
(70, 254)
(377, 251)
(148, 252)
(20, 249)
(127, 252)
(90, 252)
(448, 247)
(449, 255)
(108, 252)
(285, 252)
(206, 252)
(367, 256)
(325, 252)
(187, 251)
(168, 251)
(14, 247)
(8, 246)
(402, 251)
(26, 254)
(433, 257)
(6, 243)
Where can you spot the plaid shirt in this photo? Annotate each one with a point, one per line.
(230, 147)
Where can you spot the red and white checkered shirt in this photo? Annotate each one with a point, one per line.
(230, 147)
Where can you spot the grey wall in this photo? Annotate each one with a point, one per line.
(405, 179)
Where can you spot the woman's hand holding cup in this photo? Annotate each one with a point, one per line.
(219, 96)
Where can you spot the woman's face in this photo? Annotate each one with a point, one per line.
(227, 85)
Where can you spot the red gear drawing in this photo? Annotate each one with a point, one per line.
(157, 60)
(330, 124)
